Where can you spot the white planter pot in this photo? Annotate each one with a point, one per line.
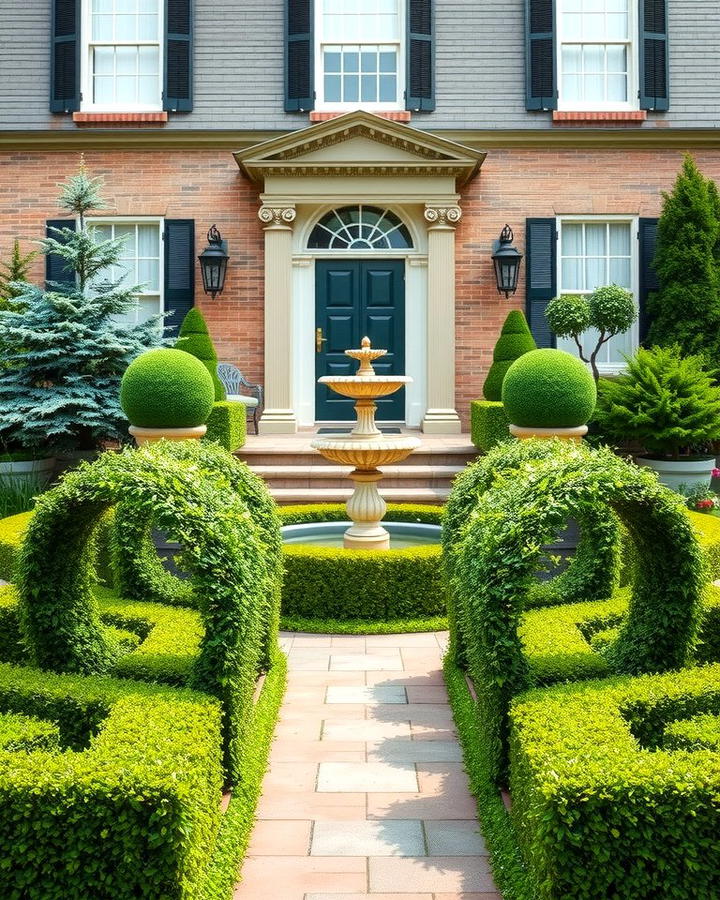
(676, 472)
(27, 471)
(150, 435)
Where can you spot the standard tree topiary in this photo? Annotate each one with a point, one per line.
(686, 309)
(195, 339)
(610, 310)
(548, 389)
(167, 389)
(515, 339)
(664, 402)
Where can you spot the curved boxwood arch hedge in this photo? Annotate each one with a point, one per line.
(232, 569)
(492, 558)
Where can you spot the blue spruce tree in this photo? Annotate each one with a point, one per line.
(64, 349)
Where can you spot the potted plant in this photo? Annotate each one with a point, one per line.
(167, 394)
(669, 405)
(548, 393)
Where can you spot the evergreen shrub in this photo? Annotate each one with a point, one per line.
(604, 804)
(132, 811)
(493, 552)
(515, 339)
(12, 531)
(194, 338)
(488, 424)
(548, 389)
(227, 424)
(22, 732)
(166, 389)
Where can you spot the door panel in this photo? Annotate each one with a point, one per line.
(354, 298)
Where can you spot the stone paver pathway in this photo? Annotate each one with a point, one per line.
(366, 796)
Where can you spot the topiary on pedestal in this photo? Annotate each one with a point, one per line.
(167, 391)
(514, 341)
(548, 389)
(195, 339)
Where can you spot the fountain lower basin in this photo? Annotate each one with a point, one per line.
(331, 534)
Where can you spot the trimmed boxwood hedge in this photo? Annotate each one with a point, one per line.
(182, 487)
(494, 549)
(227, 424)
(12, 532)
(603, 804)
(131, 809)
(488, 424)
(357, 586)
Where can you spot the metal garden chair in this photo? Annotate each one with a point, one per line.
(234, 381)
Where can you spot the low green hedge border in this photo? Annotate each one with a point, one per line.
(227, 424)
(601, 805)
(360, 626)
(12, 533)
(132, 811)
(488, 424)
(20, 732)
(323, 583)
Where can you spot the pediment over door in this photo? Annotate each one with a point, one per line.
(360, 144)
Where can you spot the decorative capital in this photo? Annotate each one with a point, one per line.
(443, 216)
(277, 216)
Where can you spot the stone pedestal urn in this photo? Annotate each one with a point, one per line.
(366, 448)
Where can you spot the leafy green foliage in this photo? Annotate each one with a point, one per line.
(194, 338)
(686, 309)
(488, 424)
(12, 532)
(15, 270)
(28, 733)
(18, 496)
(603, 804)
(362, 626)
(548, 389)
(166, 389)
(494, 539)
(298, 514)
(227, 424)
(63, 349)
(515, 339)
(664, 402)
(141, 785)
(610, 310)
(234, 569)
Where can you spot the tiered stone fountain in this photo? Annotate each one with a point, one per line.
(366, 447)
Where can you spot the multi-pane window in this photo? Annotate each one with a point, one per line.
(596, 54)
(359, 52)
(593, 254)
(139, 264)
(123, 54)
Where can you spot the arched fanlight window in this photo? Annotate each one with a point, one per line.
(360, 228)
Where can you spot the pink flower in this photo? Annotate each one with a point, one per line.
(716, 473)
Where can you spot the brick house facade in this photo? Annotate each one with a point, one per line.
(502, 128)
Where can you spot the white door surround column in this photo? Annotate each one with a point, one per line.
(278, 417)
(441, 416)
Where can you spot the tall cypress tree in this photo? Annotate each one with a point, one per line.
(686, 309)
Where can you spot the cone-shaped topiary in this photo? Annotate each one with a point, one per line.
(515, 340)
(195, 339)
(166, 389)
(548, 389)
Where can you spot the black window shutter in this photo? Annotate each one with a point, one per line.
(541, 285)
(420, 56)
(179, 271)
(540, 64)
(65, 56)
(56, 272)
(299, 56)
(653, 53)
(178, 75)
(647, 237)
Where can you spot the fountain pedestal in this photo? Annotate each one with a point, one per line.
(366, 448)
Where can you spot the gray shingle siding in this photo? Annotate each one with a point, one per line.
(480, 67)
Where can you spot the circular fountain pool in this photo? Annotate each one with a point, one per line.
(330, 534)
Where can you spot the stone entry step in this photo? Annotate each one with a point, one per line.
(366, 797)
(342, 495)
(329, 476)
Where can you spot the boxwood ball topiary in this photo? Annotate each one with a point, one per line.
(548, 389)
(167, 389)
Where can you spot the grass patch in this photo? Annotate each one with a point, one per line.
(356, 626)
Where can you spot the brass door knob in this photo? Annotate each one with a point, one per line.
(319, 339)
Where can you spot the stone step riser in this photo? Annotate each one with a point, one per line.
(343, 483)
(331, 495)
(303, 459)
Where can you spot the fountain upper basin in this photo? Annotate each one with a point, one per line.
(360, 387)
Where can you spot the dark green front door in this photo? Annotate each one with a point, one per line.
(354, 298)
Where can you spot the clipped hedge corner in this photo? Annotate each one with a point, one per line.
(227, 425)
(488, 424)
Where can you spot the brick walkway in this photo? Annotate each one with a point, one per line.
(366, 796)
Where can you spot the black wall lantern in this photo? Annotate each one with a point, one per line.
(213, 263)
(506, 260)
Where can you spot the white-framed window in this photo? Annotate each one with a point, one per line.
(359, 54)
(593, 252)
(597, 55)
(141, 262)
(122, 55)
